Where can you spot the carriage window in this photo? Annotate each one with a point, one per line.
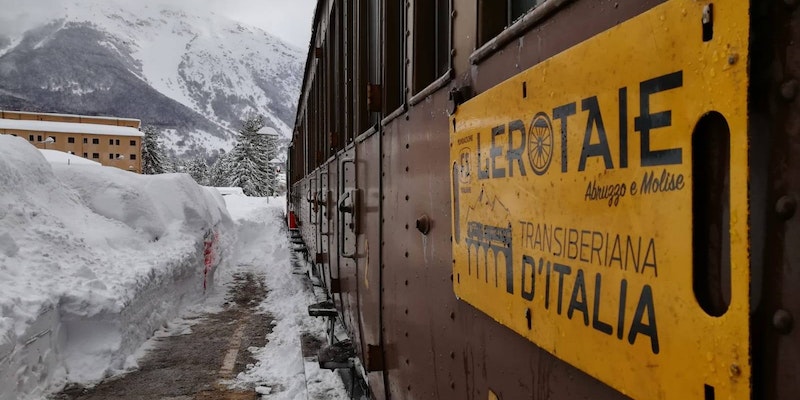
(431, 41)
(394, 67)
(494, 17)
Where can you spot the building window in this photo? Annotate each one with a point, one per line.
(95, 141)
(39, 138)
(85, 140)
(111, 141)
(95, 155)
(118, 156)
(70, 140)
(133, 143)
(110, 156)
(431, 42)
(495, 16)
(30, 138)
(85, 155)
(116, 142)
(133, 156)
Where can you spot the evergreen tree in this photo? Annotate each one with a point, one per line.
(272, 154)
(198, 170)
(249, 162)
(219, 172)
(172, 164)
(152, 156)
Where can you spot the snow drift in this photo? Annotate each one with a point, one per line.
(92, 261)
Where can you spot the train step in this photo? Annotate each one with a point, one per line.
(323, 309)
(337, 356)
(299, 265)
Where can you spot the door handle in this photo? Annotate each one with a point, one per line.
(348, 204)
(344, 207)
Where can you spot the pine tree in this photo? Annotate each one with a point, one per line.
(198, 170)
(219, 172)
(249, 162)
(152, 156)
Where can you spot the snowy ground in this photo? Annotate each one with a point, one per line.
(263, 246)
(94, 260)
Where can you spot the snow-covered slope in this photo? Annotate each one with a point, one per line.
(214, 71)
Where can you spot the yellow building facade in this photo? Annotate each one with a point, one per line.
(114, 142)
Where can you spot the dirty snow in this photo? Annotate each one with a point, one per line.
(279, 372)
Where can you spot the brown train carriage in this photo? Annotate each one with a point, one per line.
(431, 145)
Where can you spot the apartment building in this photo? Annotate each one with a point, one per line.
(111, 141)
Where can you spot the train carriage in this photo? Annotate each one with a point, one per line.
(555, 199)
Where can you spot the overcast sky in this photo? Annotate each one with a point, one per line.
(288, 19)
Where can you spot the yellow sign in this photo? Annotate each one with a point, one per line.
(572, 191)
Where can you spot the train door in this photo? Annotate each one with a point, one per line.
(369, 262)
(344, 287)
(323, 204)
(310, 210)
(330, 258)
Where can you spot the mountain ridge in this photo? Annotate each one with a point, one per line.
(195, 77)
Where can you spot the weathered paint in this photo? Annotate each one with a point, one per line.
(578, 172)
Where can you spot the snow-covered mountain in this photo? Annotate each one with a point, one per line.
(194, 74)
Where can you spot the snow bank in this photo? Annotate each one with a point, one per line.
(60, 157)
(227, 191)
(92, 261)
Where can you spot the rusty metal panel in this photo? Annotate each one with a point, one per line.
(425, 338)
(408, 188)
(776, 122)
(545, 238)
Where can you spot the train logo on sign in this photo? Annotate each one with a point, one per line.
(464, 172)
(540, 143)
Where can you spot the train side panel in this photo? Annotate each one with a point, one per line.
(371, 185)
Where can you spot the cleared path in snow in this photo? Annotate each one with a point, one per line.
(196, 365)
(252, 343)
